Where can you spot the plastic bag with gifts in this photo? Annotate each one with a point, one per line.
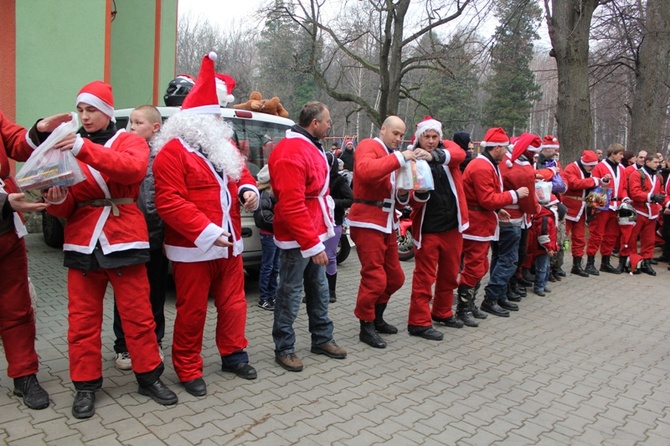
(47, 166)
(415, 175)
(558, 186)
(543, 192)
(599, 198)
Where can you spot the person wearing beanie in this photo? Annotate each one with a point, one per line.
(578, 179)
(464, 142)
(517, 171)
(17, 317)
(438, 218)
(201, 184)
(264, 218)
(604, 229)
(303, 221)
(106, 241)
(372, 223)
(486, 197)
(646, 191)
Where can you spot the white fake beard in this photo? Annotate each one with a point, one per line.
(207, 133)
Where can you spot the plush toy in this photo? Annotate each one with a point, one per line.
(258, 104)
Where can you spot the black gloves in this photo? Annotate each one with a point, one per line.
(657, 198)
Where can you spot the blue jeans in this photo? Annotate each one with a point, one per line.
(542, 271)
(267, 279)
(504, 258)
(294, 271)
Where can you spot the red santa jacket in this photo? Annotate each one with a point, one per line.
(574, 197)
(516, 174)
(542, 236)
(484, 194)
(641, 186)
(618, 183)
(374, 183)
(197, 204)
(14, 145)
(304, 210)
(454, 157)
(114, 170)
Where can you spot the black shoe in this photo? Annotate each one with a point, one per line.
(555, 276)
(370, 336)
(34, 396)
(507, 305)
(560, 272)
(492, 307)
(606, 266)
(512, 296)
(84, 404)
(159, 392)
(452, 321)
(196, 387)
(243, 370)
(577, 267)
(385, 327)
(520, 290)
(527, 278)
(646, 268)
(467, 318)
(653, 261)
(590, 267)
(476, 312)
(425, 332)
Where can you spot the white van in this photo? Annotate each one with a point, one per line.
(256, 134)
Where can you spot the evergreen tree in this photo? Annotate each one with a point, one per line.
(511, 85)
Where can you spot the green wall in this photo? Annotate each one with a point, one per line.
(60, 46)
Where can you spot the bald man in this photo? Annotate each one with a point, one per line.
(372, 224)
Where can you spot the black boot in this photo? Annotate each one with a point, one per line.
(591, 266)
(332, 282)
(577, 267)
(606, 266)
(463, 311)
(491, 306)
(512, 296)
(380, 324)
(370, 336)
(624, 264)
(476, 312)
(84, 404)
(34, 396)
(527, 278)
(560, 272)
(646, 268)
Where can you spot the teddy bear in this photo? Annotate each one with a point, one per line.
(258, 104)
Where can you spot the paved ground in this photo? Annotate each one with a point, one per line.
(587, 365)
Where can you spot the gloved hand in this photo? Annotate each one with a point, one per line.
(657, 198)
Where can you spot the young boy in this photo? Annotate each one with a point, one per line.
(542, 238)
(263, 217)
(145, 121)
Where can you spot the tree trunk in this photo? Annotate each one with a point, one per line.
(569, 24)
(651, 91)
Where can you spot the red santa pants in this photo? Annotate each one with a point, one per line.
(603, 233)
(437, 262)
(381, 274)
(17, 321)
(223, 279)
(475, 262)
(577, 231)
(645, 228)
(86, 291)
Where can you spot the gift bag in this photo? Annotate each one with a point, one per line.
(415, 175)
(47, 166)
(543, 192)
(558, 186)
(599, 198)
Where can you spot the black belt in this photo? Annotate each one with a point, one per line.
(102, 202)
(379, 204)
(477, 208)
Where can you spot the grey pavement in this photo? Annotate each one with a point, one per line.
(587, 365)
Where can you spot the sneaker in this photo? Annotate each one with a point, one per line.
(289, 362)
(123, 361)
(267, 305)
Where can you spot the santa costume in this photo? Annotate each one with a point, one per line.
(201, 180)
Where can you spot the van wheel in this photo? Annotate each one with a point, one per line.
(52, 229)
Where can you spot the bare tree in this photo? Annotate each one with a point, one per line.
(385, 24)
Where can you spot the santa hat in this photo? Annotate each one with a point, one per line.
(550, 142)
(99, 95)
(347, 142)
(495, 136)
(202, 98)
(589, 158)
(428, 123)
(526, 142)
(224, 88)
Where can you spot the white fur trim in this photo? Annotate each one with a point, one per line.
(202, 109)
(431, 124)
(96, 102)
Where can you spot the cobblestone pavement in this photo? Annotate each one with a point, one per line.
(586, 365)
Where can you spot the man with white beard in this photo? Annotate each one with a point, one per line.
(200, 181)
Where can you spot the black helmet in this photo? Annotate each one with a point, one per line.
(626, 214)
(177, 90)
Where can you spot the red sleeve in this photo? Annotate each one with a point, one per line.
(457, 155)
(574, 181)
(126, 163)
(635, 191)
(487, 191)
(14, 139)
(369, 164)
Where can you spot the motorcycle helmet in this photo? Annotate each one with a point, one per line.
(177, 90)
(626, 215)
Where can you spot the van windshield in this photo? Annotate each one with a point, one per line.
(256, 139)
